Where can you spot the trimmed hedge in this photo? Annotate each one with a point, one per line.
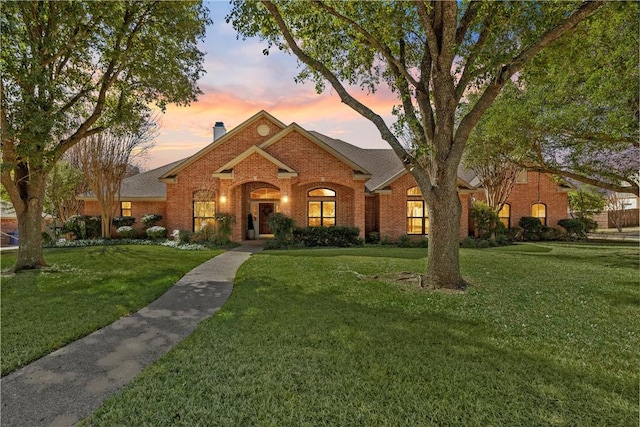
(338, 236)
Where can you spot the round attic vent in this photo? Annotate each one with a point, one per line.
(263, 129)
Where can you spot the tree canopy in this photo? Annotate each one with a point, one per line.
(73, 69)
(431, 54)
(574, 110)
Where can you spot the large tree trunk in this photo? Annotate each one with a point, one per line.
(443, 260)
(30, 253)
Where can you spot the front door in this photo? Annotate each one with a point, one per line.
(265, 209)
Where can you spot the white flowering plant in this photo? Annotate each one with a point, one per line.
(150, 220)
(156, 232)
(127, 232)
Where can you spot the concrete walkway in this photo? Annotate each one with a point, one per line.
(69, 384)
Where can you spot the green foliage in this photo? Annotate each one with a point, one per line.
(223, 228)
(531, 228)
(575, 228)
(281, 225)
(83, 226)
(404, 241)
(127, 232)
(561, 114)
(121, 221)
(64, 183)
(149, 220)
(338, 236)
(373, 237)
(486, 220)
(586, 202)
(156, 232)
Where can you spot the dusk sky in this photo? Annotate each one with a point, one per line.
(240, 81)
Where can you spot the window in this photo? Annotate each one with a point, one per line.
(265, 193)
(204, 209)
(539, 210)
(125, 208)
(417, 214)
(321, 207)
(522, 178)
(505, 215)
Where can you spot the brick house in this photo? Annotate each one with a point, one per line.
(264, 166)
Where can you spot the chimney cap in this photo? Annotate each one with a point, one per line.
(219, 124)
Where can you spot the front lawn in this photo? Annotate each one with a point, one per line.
(546, 335)
(83, 290)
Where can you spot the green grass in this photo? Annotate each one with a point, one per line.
(83, 290)
(546, 335)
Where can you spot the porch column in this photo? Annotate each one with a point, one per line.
(285, 196)
(359, 204)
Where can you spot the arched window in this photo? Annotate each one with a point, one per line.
(321, 207)
(539, 210)
(417, 214)
(204, 209)
(414, 191)
(505, 215)
(265, 193)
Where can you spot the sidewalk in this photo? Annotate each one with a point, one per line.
(69, 384)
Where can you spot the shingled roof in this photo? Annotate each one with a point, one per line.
(142, 186)
(383, 165)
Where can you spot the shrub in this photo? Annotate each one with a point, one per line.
(283, 244)
(531, 227)
(338, 236)
(373, 237)
(156, 232)
(551, 233)
(514, 234)
(422, 243)
(122, 221)
(223, 228)
(486, 220)
(126, 232)
(468, 243)
(84, 226)
(150, 220)
(281, 225)
(183, 235)
(405, 241)
(574, 228)
(343, 236)
(386, 241)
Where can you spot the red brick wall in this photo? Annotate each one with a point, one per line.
(393, 209)
(524, 195)
(138, 210)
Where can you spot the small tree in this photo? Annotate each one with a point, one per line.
(586, 202)
(104, 159)
(64, 183)
(617, 211)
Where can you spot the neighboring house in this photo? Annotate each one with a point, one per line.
(264, 166)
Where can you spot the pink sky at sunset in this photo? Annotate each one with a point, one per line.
(240, 81)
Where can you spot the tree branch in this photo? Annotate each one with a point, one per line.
(345, 96)
(382, 48)
(469, 121)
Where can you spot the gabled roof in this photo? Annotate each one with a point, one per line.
(186, 162)
(313, 136)
(142, 186)
(257, 150)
